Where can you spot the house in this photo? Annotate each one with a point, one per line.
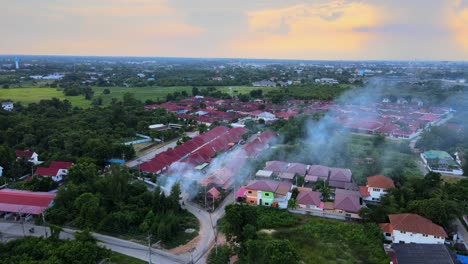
(265, 116)
(347, 202)
(263, 174)
(56, 170)
(7, 106)
(326, 81)
(421, 254)
(309, 200)
(25, 202)
(297, 168)
(376, 187)
(412, 228)
(316, 173)
(29, 155)
(276, 166)
(264, 83)
(441, 161)
(268, 193)
(340, 178)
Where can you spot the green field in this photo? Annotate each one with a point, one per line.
(141, 93)
(117, 258)
(34, 95)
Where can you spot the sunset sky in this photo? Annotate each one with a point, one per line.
(292, 29)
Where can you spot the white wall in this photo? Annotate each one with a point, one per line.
(375, 193)
(418, 238)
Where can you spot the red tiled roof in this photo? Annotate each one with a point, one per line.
(416, 224)
(24, 201)
(241, 192)
(276, 166)
(386, 228)
(214, 192)
(380, 181)
(339, 174)
(24, 153)
(60, 164)
(319, 171)
(364, 191)
(297, 168)
(46, 171)
(347, 200)
(308, 198)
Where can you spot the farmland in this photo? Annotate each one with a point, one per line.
(33, 94)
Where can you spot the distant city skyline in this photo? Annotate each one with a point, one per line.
(269, 29)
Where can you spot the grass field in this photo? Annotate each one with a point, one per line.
(117, 258)
(34, 95)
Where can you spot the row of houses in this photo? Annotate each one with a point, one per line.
(197, 151)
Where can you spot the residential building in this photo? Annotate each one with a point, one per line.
(309, 200)
(441, 161)
(57, 170)
(25, 202)
(421, 254)
(412, 228)
(347, 202)
(7, 106)
(268, 193)
(29, 155)
(376, 187)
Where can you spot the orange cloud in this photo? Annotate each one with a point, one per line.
(458, 22)
(308, 28)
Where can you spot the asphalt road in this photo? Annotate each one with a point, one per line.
(462, 232)
(133, 163)
(13, 230)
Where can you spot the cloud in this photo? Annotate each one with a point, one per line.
(315, 28)
(458, 22)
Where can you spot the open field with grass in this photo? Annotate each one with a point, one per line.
(117, 258)
(34, 95)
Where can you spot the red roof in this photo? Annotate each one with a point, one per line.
(46, 171)
(380, 181)
(276, 166)
(24, 153)
(347, 200)
(416, 224)
(60, 164)
(339, 174)
(309, 198)
(319, 171)
(214, 193)
(241, 192)
(297, 168)
(364, 191)
(26, 202)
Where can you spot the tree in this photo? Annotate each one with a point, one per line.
(195, 91)
(292, 203)
(82, 173)
(106, 91)
(440, 212)
(271, 252)
(90, 212)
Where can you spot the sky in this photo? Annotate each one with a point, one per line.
(277, 29)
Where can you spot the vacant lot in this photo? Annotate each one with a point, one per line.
(34, 95)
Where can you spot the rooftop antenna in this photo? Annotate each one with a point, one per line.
(16, 60)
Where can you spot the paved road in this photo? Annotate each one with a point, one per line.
(12, 230)
(462, 232)
(133, 163)
(207, 231)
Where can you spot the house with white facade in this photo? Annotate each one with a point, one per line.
(441, 162)
(7, 106)
(29, 155)
(412, 228)
(57, 170)
(376, 187)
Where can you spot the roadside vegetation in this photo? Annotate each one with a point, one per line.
(118, 205)
(270, 235)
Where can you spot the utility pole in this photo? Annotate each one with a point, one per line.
(149, 248)
(45, 225)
